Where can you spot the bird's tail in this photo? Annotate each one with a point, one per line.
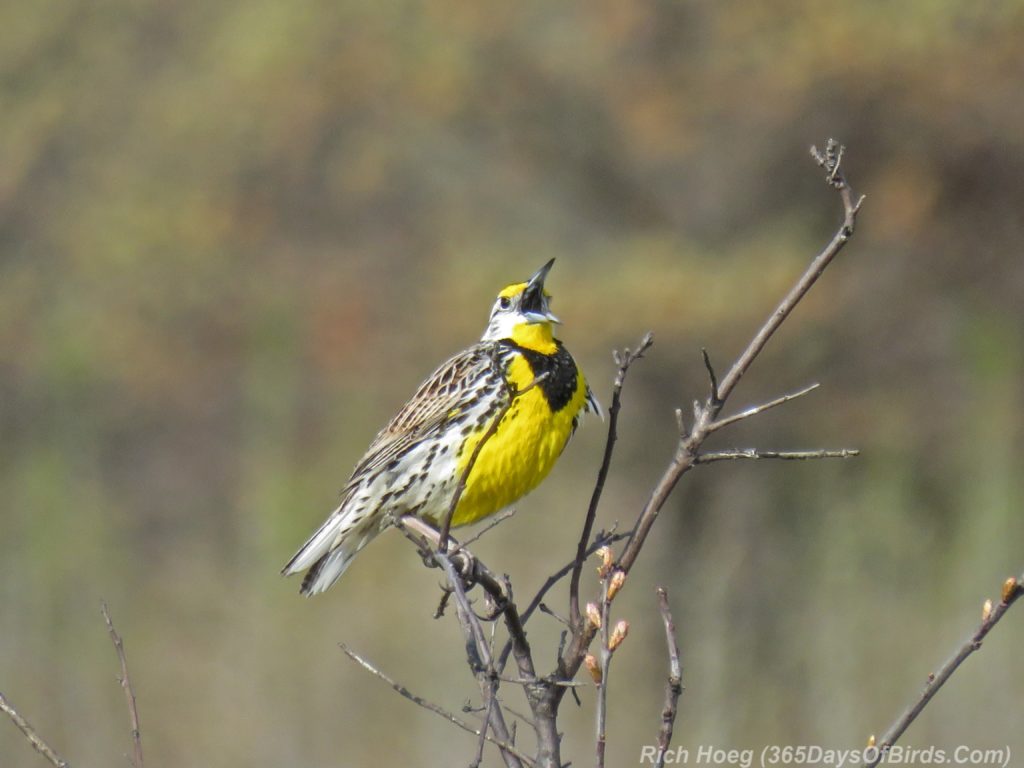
(329, 551)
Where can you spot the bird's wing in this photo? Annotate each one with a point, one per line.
(442, 397)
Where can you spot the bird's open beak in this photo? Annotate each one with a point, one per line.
(535, 303)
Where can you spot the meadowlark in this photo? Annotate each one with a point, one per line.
(519, 374)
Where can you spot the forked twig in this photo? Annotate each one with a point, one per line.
(1013, 588)
(755, 410)
(126, 684)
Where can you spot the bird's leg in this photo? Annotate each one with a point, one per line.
(419, 534)
(462, 559)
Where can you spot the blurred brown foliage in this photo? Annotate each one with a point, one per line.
(234, 236)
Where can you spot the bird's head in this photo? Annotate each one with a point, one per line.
(522, 313)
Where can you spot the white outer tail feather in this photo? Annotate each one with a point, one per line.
(328, 569)
(329, 551)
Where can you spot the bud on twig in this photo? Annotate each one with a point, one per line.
(605, 555)
(871, 740)
(615, 583)
(986, 610)
(593, 667)
(1010, 588)
(618, 635)
(594, 615)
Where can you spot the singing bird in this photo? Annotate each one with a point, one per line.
(519, 373)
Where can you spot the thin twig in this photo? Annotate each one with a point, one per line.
(546, 609)
(831, 161)
(442, 604)
(126, 684)
(467, 617)
(674, 684)
(602, 686)
(753, 453)
(714, 397)
(536, 681)
(494, 522)
(429, 705)
(478, 758)
(520, 715)
(34, 739)
(753, 411)
(492, 428)
(625, 360)
(1013, 588)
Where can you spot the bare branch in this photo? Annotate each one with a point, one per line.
(688, 449)
(687, 452)
(674, 684)
(1013, 588)
(34, 739)
(429, 705)
(753, 453)
(126, 684)
(625, 360)
(753, 411)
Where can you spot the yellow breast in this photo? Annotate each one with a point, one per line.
(521, 452)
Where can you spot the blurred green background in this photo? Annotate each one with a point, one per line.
(234, 236)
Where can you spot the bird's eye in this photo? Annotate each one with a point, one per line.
(505, 302)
